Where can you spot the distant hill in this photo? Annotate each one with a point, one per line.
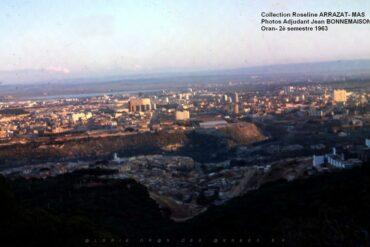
(340, 67)
(330, 67)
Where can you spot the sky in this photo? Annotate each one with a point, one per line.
(69, 38)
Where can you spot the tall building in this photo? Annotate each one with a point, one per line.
(326, 94)
(236, 108)
(236, 98)
(340, 96)
(139, 105)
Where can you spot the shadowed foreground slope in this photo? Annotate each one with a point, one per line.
(330, 209)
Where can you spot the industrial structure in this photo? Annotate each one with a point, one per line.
(139, 105)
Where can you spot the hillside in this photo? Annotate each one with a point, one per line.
(243, 133)
(329, 210)
(325, 210)
(67, 209)
(193, 144)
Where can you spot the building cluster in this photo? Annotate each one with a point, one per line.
(64, 116)
(184, 180)
(186, 109)
(335, 160)
(179, 179)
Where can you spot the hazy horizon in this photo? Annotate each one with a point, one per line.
(359, 67)
(68, 39)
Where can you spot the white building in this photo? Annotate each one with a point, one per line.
(335, 160)
(318, 160)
